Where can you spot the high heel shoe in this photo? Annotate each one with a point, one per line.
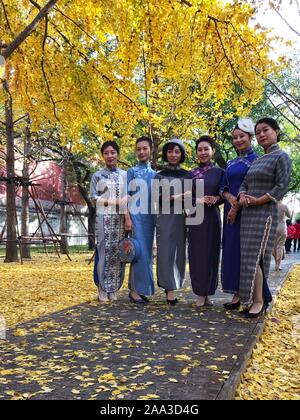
(136, 301)
(232, 306)
(244, 311)
(251, 315)
(172, 302)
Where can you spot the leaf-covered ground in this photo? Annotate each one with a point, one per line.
(274, 370)
(123, 351)
(43, 286)
(120, 351)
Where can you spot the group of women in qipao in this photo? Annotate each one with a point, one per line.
(250, 188)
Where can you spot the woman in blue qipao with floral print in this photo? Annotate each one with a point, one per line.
(142, 223)
(232, 180)
(108, 193)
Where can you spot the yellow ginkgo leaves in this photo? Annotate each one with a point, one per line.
(115, 67)
(274, 370)
(43, 286)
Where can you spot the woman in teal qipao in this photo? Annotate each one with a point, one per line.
(141, 282)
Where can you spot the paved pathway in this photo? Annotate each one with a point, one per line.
(121, 351)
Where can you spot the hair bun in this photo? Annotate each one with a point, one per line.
(247, 125)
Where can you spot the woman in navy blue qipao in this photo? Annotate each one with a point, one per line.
(205, 238)
(232, 180)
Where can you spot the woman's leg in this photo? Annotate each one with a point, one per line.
(258, 299)
(235, 298)
(201, 301)
(170, 295)
(278, 257)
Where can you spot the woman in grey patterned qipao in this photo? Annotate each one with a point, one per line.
(170, 226)
(265, 184)
(108, 191)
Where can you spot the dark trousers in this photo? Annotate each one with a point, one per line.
(296, 245)
(288, 245)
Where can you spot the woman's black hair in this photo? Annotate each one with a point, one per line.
(271, 122)
(171, 146)
(207, 139)
(112, 144)
(145, 138)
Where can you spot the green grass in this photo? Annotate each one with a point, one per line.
(51, 249)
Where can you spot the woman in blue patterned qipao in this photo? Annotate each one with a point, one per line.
(109, 271)
(141, 282)
(232, 180)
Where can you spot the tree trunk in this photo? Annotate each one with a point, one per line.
(155, 141)
(219, 159)
(25, 195)
(85, 195)
(11, 210)
(63, 211)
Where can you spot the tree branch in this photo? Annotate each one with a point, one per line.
(284, 94)
(285, 21)
(6, 17)
(282, 114)
(74, 22)
(44, 70)
(186, 3)
(225, 53)
(29, 29)
(20, 119)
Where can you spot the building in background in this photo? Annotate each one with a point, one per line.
(49, 177)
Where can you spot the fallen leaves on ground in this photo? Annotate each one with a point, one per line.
(43, 286)
(274, 370)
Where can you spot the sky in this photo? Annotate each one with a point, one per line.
(268, 18)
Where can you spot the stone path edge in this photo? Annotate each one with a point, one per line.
(229, 388)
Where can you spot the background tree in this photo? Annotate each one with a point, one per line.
(122, 68)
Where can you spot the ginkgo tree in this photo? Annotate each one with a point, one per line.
(127, 67)
(110, 65)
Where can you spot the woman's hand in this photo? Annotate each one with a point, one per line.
(243, 202)
(181, 196)
(128, 223)
(251, 201)
(187, 194)
(232, 200)
(209, 200)
(122, 202)
(248, 200)
(231, 217)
